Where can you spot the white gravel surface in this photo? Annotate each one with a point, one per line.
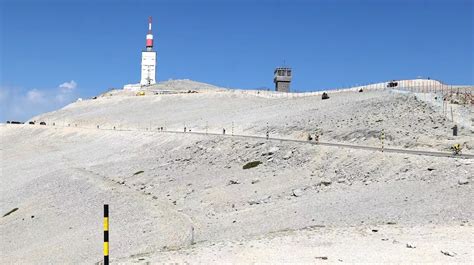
(194, 203)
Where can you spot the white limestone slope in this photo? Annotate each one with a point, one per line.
(186, 197)
(348, 116)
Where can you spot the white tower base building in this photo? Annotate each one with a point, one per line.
(148, 68)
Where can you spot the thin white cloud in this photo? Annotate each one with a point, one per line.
(68, 86)
(20, 104)
(35, 96)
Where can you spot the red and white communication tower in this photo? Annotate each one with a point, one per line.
(148, 60)
(149, 37)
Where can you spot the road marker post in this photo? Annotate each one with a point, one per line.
(106, 234)
(382, 137)
(268, 132)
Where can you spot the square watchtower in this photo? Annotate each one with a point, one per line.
(282, 79)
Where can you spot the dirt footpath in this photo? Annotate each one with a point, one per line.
(325, 245)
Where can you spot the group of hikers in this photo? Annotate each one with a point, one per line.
(316, 137)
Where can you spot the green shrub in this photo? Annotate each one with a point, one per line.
(251, 164)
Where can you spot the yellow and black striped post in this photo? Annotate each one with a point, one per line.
(106, 234)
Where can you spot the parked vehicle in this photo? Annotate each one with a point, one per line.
(325, 96)
(392, 84)
(42, 123)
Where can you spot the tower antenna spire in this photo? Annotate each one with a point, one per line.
(149, 24)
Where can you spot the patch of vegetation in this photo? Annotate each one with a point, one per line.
(10, 212)
(138, 172)
(251, 164)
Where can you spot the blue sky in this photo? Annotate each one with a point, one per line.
(52, 52)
